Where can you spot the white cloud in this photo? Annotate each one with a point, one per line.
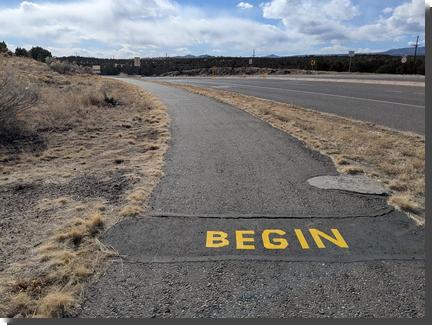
(334, 49)
(310, 10)
(244, 5)
(329, 20)
(139, 24)
(152, 27)
(406, 19)
(323, 20)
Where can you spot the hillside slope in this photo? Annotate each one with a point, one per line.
(85, 154)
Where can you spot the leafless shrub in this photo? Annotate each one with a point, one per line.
(15, 98)
(64, 67)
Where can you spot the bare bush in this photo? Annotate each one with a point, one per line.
(15, 98)
(102, 97)
(64, 67)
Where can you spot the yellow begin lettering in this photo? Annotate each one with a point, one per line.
(338, 240)
(242, 240)
(301, 238)
(216, 239)
(276, 243)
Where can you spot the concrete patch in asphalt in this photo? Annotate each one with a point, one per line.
(350, 183)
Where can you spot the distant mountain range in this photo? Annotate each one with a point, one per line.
(405, 51)
(206, 56)
(393, 52)
(272, 56)
(190, 56)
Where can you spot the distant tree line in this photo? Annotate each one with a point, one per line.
(37, 53)
(4, 48)
(372, 63)
(158, 66)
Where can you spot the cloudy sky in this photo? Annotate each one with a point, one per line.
(123, 29)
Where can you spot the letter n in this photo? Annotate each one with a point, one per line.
(337, 238)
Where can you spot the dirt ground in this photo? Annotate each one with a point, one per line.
(92, 152)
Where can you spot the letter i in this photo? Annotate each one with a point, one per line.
(301, 238)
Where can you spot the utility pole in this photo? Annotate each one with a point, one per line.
(415, 54)
(351, 55)
(253, 57)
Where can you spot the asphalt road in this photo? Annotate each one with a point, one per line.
(354, 76)
(395, 106)
(229, 172)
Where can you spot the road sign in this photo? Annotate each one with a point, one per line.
(404, 59)
(96, 69)
(137, 62)
(313, 63)
(250, 61)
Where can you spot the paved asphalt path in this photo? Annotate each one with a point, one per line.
(228, 171)
(394, 106)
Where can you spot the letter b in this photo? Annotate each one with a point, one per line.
(216, 239)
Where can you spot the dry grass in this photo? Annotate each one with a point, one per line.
(55, 304)
(105, 142)
(65, 261)
(406, 203)
(396, 158)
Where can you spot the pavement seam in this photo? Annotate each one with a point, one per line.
(259, 258)
(239, 216)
